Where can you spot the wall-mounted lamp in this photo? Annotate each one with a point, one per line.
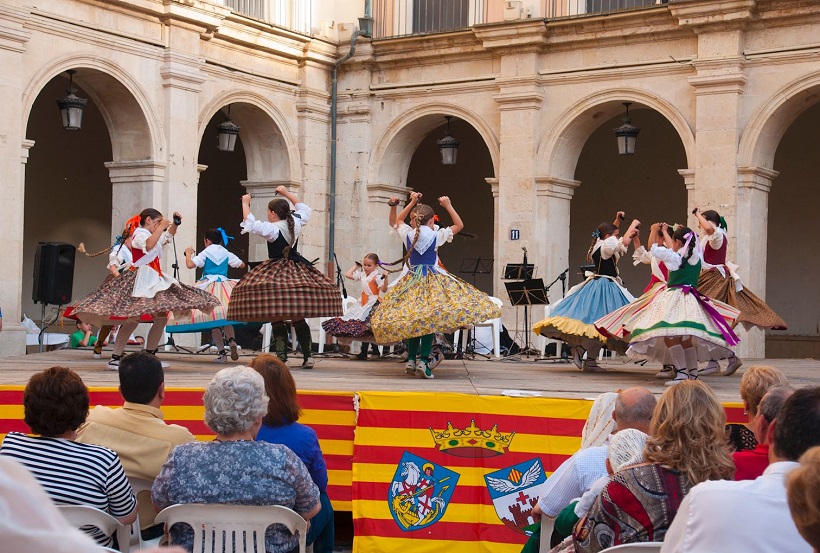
(226, 134)
(448, 146)
(627, 135)
(71, 106)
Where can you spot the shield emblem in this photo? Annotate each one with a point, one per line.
(420, 492)
(514, 491)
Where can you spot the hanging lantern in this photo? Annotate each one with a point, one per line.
(448, 146)
(627, 135)
(72, 106)
(226, 134)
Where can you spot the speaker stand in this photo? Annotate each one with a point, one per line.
(42, 326)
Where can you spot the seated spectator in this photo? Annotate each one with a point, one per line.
(83, 337)
(30, 522)
(280, 427)
(234, 468)
(754, 384)
(137, 431)
(686, 445)
(804, 502)
(55, 404)
(752, 516)
(750, 464)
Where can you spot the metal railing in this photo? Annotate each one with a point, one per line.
(395, 18)
(295, 15)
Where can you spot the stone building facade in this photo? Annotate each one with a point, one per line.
(720, 87)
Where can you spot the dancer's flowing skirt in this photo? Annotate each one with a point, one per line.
(572, 318)
(428, 300)
(114, 302)
(753, 310)
(611, 326)
(196, 320)
(354, 324)
(284, 290)
(681, 312)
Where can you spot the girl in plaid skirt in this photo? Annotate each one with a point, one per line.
(427, 299)
(286, 287)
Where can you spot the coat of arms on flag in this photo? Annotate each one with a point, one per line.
(420, 492)
(514, 491)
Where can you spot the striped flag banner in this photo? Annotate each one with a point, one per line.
(453, 472)
(330, 414)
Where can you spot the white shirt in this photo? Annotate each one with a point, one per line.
(751, 516)
(271, 231)
(574, 477)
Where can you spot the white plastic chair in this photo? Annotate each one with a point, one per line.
(547, 526)
(640, 547)
(139, 485)
(237, 528)
(267, 336)
(82, 515)
(494, 323)
(347, 303)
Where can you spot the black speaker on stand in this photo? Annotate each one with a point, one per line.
(53, 277)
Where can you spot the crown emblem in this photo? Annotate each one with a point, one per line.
(472, 441)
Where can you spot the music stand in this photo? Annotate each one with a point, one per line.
(526, 293)
(474, 266)
(519, 271)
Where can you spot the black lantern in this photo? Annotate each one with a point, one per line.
(226, 134)
(448, 146)
(71, 106)
(627, 135)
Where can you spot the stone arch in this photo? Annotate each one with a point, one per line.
(133, 125)
(772, 119)
(272, 151)
(394, 149)
(561, 146)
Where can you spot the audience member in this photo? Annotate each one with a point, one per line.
(279, 426)
(753, 515)
(756, 381)
(234, 468)
(804, 502)
(750, 464)
(137, 431)
(29, 521)
(55, 404)
(632, 409)
(83, 337)
(686, 445)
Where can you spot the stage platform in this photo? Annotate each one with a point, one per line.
(479, 376)
(478, 423)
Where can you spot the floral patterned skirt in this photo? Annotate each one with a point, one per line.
(428, 300)
(351, 326)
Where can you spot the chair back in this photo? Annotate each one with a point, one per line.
(349, 302)
(82, 515)
(140, 486)
(234, 527)
(640, 547)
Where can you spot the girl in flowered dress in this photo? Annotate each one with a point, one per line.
(286, 287)
(356, 322)
(427, 299)
(719, 280)
(214, 261)
(681, 326)
(572, 318)
(144, 289)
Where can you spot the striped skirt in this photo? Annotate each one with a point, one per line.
(196, 320)
(611, 326)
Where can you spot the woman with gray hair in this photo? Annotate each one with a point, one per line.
(234, 469)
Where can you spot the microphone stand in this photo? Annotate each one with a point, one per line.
(340, 281)
(175, 267)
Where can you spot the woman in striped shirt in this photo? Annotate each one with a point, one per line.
(55, 404)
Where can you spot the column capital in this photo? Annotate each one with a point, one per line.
(519, 93)
(27, 145)
(493, 182)
(181, 71)
(758, 178)
(688, 178)
(555, 187)
(146, 170)
(268, 188)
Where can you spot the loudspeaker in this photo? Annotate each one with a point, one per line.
(53, 273)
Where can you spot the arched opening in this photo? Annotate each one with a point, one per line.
(470, 194)
(645, 185)
(68, 189)
(792, 289)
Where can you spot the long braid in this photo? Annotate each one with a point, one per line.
(292, 229)
(130, 225)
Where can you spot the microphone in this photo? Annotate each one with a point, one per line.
(525, 249)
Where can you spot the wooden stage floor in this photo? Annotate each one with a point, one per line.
(470, 376)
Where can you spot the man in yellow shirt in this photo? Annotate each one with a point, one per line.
(137, 431)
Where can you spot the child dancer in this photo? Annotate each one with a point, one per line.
(214, 261)
(144, 289)
(572, 318)
(681, 326)
(719, 280)
(427, 299)
(286, 287)
(356, 322)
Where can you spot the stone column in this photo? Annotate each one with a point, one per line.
(379, 238)
(263, 192)
(135, 185)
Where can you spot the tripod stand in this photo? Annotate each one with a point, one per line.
(474, 266)
(527, 293)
